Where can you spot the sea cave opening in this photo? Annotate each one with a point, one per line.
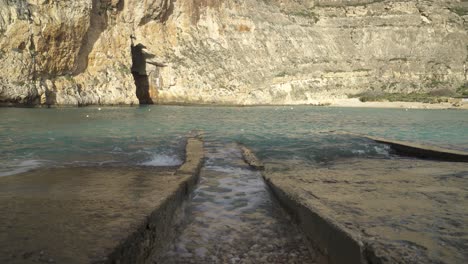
(140, 75)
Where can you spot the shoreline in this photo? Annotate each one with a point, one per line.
(345, 103)
(355, 102)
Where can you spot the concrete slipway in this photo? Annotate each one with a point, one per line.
(400, 210)
(93, 215)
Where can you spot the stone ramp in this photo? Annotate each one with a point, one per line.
(93, 214)
(378, 211)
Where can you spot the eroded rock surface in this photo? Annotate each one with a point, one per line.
(228, 52)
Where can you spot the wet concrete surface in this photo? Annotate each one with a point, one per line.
(232, 218)
(390, 210)
(411, 149)
(92, 214)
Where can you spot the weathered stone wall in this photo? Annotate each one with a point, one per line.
(228, 52)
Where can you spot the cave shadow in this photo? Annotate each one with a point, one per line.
(140, 75)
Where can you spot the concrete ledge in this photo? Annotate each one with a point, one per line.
(409, 149)
(336, 245)
(149, 241)
(422, 151)
(376, 210)
(193, 158)
(94, 214)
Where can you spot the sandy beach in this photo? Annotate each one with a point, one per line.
(355, 102)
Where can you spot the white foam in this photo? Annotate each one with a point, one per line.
(116, 150)
(358, 151)
(23, 166)
(229, 170)
(163, 160)
(382, 150)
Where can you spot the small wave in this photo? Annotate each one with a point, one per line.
(117, 150)
(229, 170)
(82, 163)
(23, 166)
(371, 149)
(358, 151)
(382, 150)
(163, 160)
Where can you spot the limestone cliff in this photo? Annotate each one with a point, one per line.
(82, 52)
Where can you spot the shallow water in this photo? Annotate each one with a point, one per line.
(232, 218)
(154, 135)
(231, 202)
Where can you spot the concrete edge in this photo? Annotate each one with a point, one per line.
(334, 243)
(250, 158)
(425, 152)
(409, 149)
(152, 236)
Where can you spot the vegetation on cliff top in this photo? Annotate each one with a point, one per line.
(463, 90)
(432, 97)
(460, 10)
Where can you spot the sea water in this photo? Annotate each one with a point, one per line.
(155, 135)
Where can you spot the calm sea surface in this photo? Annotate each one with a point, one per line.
(155, 135)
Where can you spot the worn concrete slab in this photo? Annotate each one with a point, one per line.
(93, 214)
(379, 211)
(411, 149)
(423, 151)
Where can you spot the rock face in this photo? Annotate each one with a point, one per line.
(227, 51)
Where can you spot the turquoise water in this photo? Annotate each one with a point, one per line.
(154, 135)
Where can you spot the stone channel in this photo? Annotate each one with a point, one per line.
(232, 218)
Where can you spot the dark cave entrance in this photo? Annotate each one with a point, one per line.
(140, 75)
